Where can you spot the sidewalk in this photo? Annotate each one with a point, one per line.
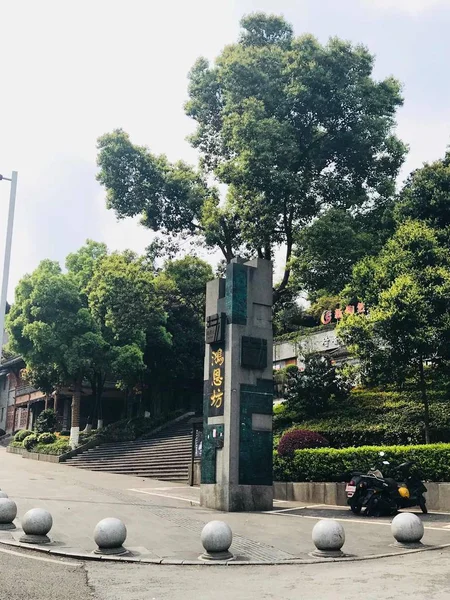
(164, 520)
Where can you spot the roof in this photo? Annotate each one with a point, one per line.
(5, 366)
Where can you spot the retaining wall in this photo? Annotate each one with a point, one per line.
(438, 495)
(34, 455)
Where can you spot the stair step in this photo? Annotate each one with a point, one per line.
(173, 446)
(125, 470)
(140, 457)
(187, 436)
(165, 456)
(138, 465)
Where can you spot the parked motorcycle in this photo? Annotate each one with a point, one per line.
(411, 489)
(380, 495)
(372, 492)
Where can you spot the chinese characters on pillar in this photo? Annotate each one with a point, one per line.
(216, 380)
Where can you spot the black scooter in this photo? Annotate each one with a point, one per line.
(410, 491)
(383, 495)
(372, 492)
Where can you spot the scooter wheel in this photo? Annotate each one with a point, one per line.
(355, 508)
(423, 505)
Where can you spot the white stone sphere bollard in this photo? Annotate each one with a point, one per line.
(328, 537)
(8, 512)
(407, 529)
(109, 535)
(3, 494)
(216, 539)
(36, 523)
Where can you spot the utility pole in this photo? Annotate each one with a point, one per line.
(7, 258)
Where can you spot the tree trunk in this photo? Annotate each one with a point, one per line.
(423, 391)
(75, 426)
(277, 292)
(100, 387)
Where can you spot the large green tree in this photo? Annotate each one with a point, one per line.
(407, 290)
(290, 126)
(426, 195)
(328, 249)
(121, 296)
(54, 333)
(178, 369)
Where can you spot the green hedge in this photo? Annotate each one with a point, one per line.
(327, 464)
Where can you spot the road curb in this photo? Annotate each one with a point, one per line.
(225, 563)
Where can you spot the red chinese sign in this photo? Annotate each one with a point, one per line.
(337, 313)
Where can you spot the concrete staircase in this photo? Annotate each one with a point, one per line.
(166, 455)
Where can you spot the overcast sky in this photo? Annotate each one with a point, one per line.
(72, 71)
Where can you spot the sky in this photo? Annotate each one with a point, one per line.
(72, 71)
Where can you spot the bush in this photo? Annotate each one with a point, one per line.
(46, 438)
(65, 433)
(375, 417)
(58, 447)
(299, 439)
(87, 436)
(22, 434)
(14, 444)
(30, 441)
(46, 421)
(309, 393)
(329, 464)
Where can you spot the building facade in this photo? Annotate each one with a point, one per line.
(21, 403)
(321, 340)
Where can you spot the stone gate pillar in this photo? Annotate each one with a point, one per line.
(238, 390)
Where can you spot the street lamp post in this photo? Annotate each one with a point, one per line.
(7, 258)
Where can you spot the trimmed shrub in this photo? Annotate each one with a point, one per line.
(30, 441)
(14, 444)
(65, 433)
(46, 438)
(299, 439)
(375, 417)
(61, 446)
(432, 462)
(22, 434)
(46, 421)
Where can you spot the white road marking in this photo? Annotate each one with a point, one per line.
(41, 558)
(165, 489)
(362, 520)
(165, 496)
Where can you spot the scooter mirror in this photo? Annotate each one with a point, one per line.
(386, 462)
(382, 453)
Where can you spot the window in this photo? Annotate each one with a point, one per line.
(2, 415)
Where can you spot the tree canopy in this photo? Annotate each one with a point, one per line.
(426, 193)
(52, 330)
(407, 287)
(113, 317)
(328, 249)
(290, 126)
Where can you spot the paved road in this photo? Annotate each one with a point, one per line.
(164, 520)
(419, 576)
